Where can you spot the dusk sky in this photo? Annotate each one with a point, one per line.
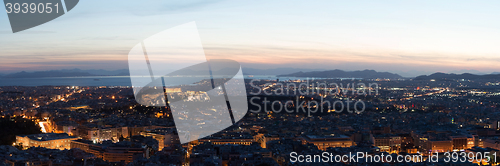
(404, 37)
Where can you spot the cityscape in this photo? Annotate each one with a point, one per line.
(249, 83)
(74, 125)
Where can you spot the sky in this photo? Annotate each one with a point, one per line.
(405, 37)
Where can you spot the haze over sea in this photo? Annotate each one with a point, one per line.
(96, 81)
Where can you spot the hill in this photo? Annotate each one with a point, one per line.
(366, 74)
(466, 76)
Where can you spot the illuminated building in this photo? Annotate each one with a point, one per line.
(102, 134)
(68, 127)
(47, 140)
(387, 143)
(45, 126)
(74, 108)
(229, 138)
(471, 141)
(460, 142)
(438, 142)
(262, 139)
(111, 152)
(166, 137)
(324, 142)
(407, 143)
(173, 90)
(439, 146)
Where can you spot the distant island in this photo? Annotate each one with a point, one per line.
(365, 74)
(466, 76)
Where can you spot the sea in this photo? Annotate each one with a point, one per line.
(105, 80)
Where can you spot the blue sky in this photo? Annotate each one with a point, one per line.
(405, 37)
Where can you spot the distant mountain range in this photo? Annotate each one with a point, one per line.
(281, 72)
(67, 73)
(367, 74)
(467, 76)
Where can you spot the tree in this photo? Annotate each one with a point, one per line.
(121, 138)
(10, 127)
